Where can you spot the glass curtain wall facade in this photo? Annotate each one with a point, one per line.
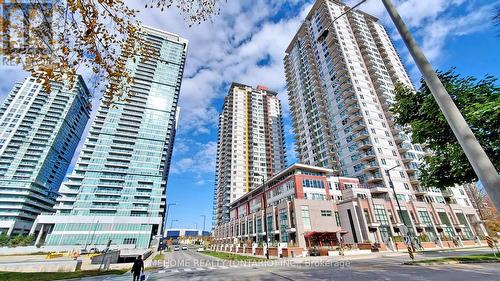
(117, 190)
(39, 133)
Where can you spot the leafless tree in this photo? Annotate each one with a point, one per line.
(57, 39)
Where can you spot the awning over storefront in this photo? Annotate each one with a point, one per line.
(322, 238)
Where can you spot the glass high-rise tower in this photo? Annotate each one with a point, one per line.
(39, 133)
(118, 187)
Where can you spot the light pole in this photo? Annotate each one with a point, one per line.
(388, 172)
(265, 214)
(478, 159)
(166, 216)
(203, 230)
(480, 162)
(172, 223)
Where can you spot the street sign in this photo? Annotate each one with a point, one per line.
(410, 252)
(492, 243)
(489, 240)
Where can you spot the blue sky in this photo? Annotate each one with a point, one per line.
(246, 44)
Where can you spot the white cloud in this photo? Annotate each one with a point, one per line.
(225, 50)
(198, 163)
(433, 22)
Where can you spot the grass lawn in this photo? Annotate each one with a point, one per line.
(232, 257)
(159, 257)
(46, 276)
(467, 258)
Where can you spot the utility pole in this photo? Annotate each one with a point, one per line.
(172, 223)
(204, 217)
(264, 208)
(166, 217)
(480, 162)
(397, 202)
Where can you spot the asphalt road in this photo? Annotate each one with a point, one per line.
(190, 265)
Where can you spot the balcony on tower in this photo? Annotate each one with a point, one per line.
(365, 144)
(374, 177)
(367, 155)
(361, 135)
(358, 126)
(371, 166)
(355, 117)
(353, 108)
(350, 101)
(408, 157)
(404, 147)
(411, 168)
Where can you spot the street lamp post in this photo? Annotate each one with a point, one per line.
(264, 199)
(166, 216)
(172, 223)
(478, 159)
(397, 200)
(204, 217)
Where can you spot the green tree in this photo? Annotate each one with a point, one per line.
(479, 103)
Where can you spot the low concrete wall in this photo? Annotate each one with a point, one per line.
(42, 266)
(287, 253)
(109, 257)
(47, 249)
(429, 245)
(469, 243)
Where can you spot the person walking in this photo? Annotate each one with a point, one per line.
(137, 268)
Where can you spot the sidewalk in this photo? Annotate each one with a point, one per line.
(456, 249)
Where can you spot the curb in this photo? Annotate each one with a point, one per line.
(449, 262)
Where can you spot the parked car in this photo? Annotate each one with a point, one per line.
(176, 248)
(184, 247)
(94, 250)
(83, 252)
(200, 249)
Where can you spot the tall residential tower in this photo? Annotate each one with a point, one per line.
(39, 133)
(118, 187)
(250, 145)
(341, 77)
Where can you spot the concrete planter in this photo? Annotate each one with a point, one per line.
(259, 251)
(469, 243)
(428, 245)
(273, 252)
(323, 252)
(292, 252)
(364, 246)
(400, 245)
(448, 244)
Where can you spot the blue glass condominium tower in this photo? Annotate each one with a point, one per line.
(118, 187)
(39, 133)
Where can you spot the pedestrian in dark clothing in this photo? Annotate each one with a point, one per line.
(137, 268)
